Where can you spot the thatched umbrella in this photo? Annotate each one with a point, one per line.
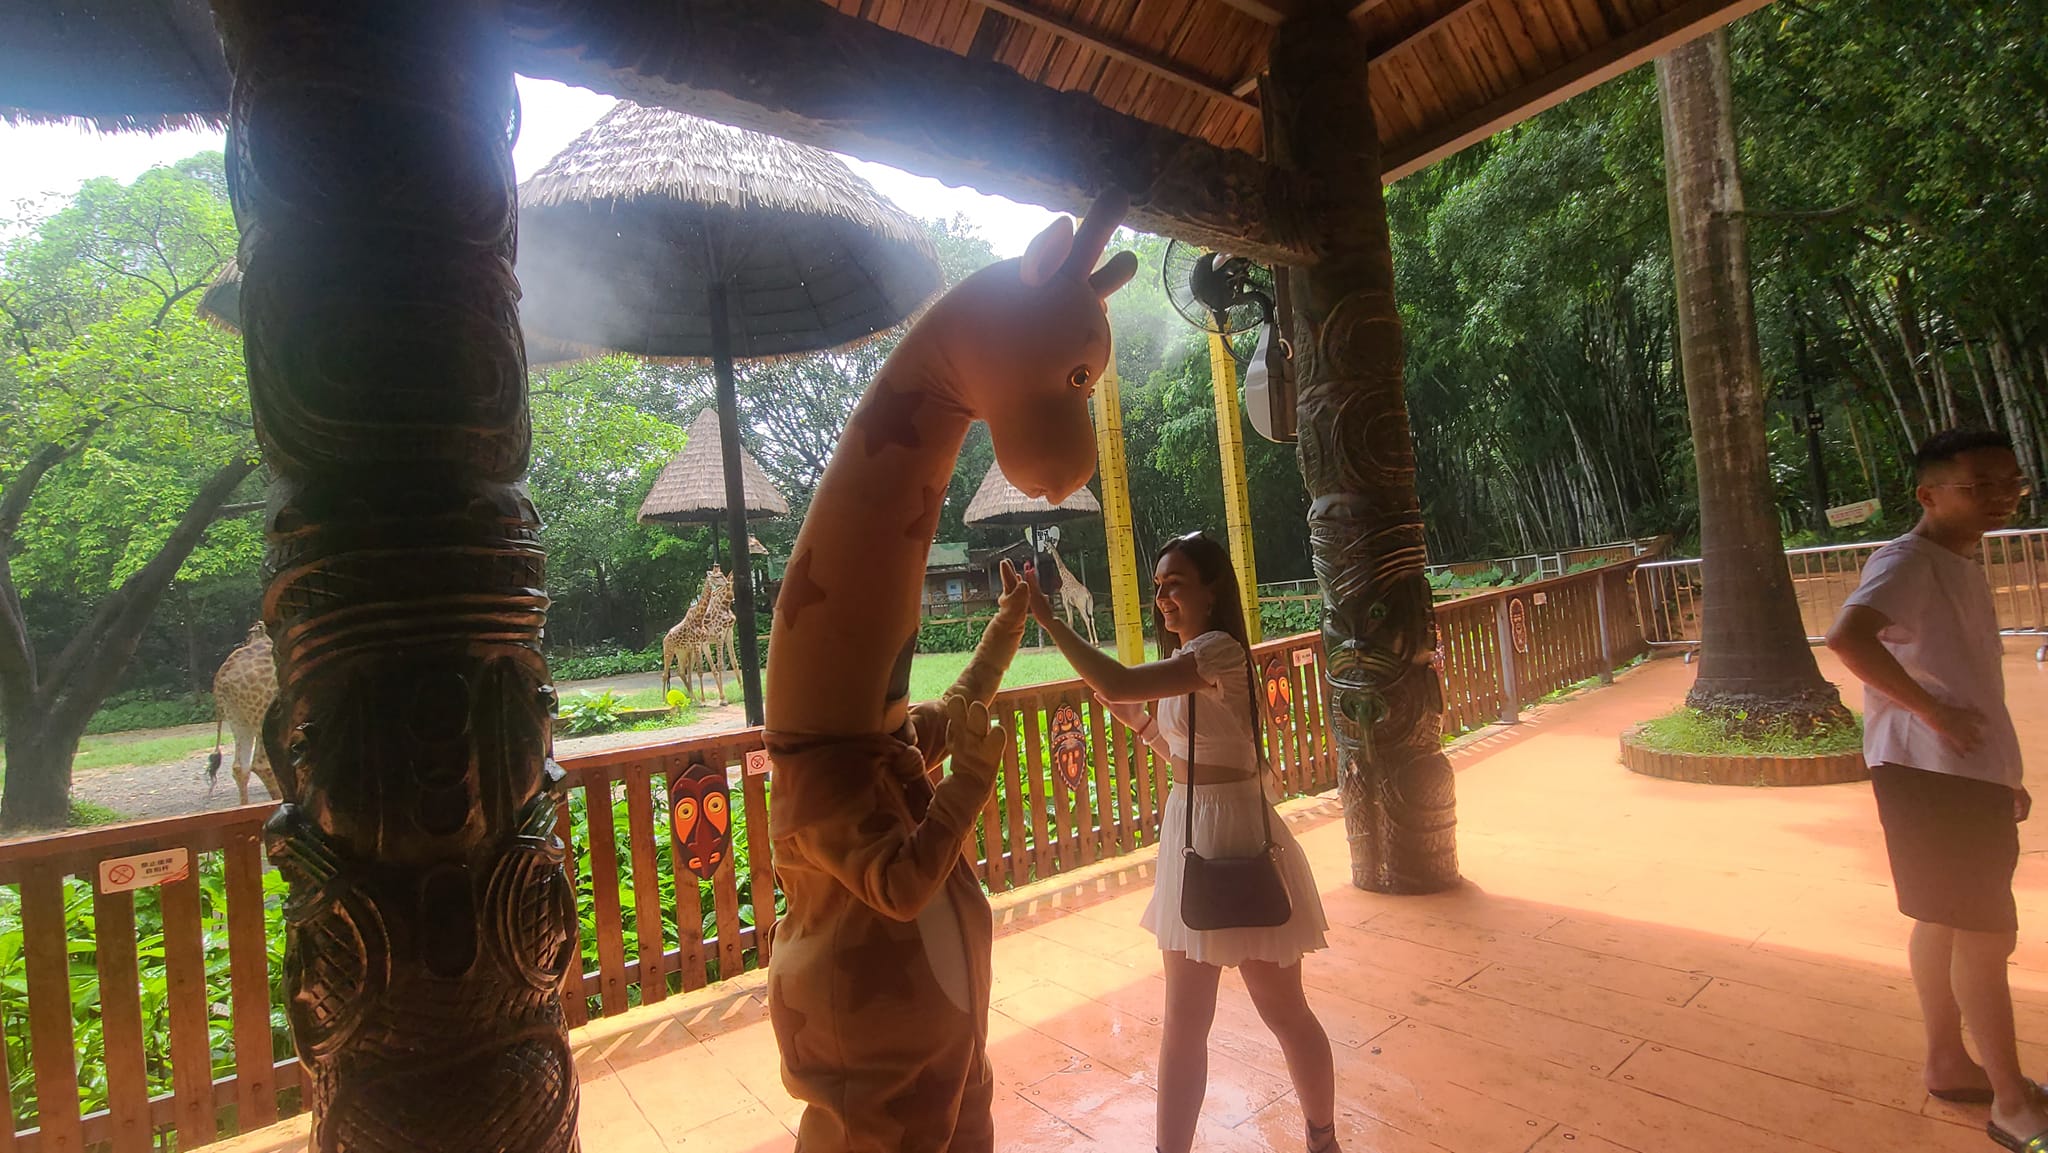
(673, 238)
(998, 502)
(691, 488)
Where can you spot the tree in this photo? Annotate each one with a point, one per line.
(1755, 664)
(124, 431)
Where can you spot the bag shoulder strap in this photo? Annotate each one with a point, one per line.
(1188, 815)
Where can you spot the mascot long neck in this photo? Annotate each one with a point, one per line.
(849, 603)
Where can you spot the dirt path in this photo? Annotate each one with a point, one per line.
(175, 787)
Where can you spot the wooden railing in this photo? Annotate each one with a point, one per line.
(155, 1015)
(1571, 629)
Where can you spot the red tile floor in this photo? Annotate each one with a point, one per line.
(1632, 965)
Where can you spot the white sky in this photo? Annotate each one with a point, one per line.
(43, 164)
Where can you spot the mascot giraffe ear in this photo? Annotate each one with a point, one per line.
(1047, 252)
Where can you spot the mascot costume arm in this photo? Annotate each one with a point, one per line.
(890, 861)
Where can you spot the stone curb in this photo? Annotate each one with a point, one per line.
(1730, 769)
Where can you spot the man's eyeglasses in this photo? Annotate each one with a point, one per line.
(2018, 486)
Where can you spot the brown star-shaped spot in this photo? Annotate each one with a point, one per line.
(799, 589)
(927, 1110)
(891, 418)
(927, 522)
(787, 1021)
(881, 967)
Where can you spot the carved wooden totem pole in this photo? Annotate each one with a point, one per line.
(429, 922)
(1358, 462)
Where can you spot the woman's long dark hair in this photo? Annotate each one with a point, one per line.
(1226, 614)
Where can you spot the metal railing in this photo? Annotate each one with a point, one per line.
(1670, 594)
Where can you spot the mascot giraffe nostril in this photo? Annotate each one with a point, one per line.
(879, 977)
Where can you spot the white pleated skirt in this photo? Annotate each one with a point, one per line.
(1227, 825)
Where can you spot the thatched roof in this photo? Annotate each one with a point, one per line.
(623, 233)
(999, 502)
(221, 303)
(691, 490)
(116, 65)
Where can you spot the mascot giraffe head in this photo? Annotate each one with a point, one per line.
(1025, 341)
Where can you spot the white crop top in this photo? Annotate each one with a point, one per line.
(1223, 721)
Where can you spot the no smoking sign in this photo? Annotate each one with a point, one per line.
(144, 870)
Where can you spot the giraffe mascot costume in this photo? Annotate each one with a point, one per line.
(243, 688)
(879, 983)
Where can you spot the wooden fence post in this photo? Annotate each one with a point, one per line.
(1504, 638)
(1606, 645)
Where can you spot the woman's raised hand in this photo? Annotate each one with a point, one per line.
(1041, 608)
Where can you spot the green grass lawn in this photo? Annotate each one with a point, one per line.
(930, 675)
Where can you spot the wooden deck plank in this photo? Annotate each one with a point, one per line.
(1596, 969)
(1828, 1120)
(1823, 1064)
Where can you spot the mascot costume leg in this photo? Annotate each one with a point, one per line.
(878, 988)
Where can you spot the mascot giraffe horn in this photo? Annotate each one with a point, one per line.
(879, 982)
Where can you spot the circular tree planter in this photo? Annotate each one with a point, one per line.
(1740, 769)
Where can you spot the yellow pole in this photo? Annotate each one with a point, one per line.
(1116, 518)
(1237, 498)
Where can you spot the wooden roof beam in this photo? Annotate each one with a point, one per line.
(1680, 25)
(803, 71)
(1160, 66)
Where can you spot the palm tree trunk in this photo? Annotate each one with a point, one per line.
(1754, 660)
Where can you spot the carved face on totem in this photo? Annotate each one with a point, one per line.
(702, 812)
(1375, 594)
(1027, 339)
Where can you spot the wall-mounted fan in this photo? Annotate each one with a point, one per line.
(1223, 294)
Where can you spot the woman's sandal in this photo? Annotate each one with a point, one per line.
(2038, 1143)
(1323, 1138)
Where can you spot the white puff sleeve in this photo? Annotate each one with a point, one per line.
(1217, 657)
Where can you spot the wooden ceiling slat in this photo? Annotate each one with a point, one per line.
(1463, 43)
(1432, 78)
(1449, 70)
(1408, 94)
(1504, 23)
(1398, 105)
(1592, 22)
(1564, 18)
(1184, 37)
(1510, 68)
(1452, 18)
(964, 21)
(1535, 20)
(1119, 84)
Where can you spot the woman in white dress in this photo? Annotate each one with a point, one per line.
(1201, 634)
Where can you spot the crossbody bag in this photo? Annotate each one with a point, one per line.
(1229, 892)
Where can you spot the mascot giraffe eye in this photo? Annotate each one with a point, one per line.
(1080, 377)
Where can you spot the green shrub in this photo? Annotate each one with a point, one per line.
(131, 711)
(589, 713)
(1288, 618)
(615, 664)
